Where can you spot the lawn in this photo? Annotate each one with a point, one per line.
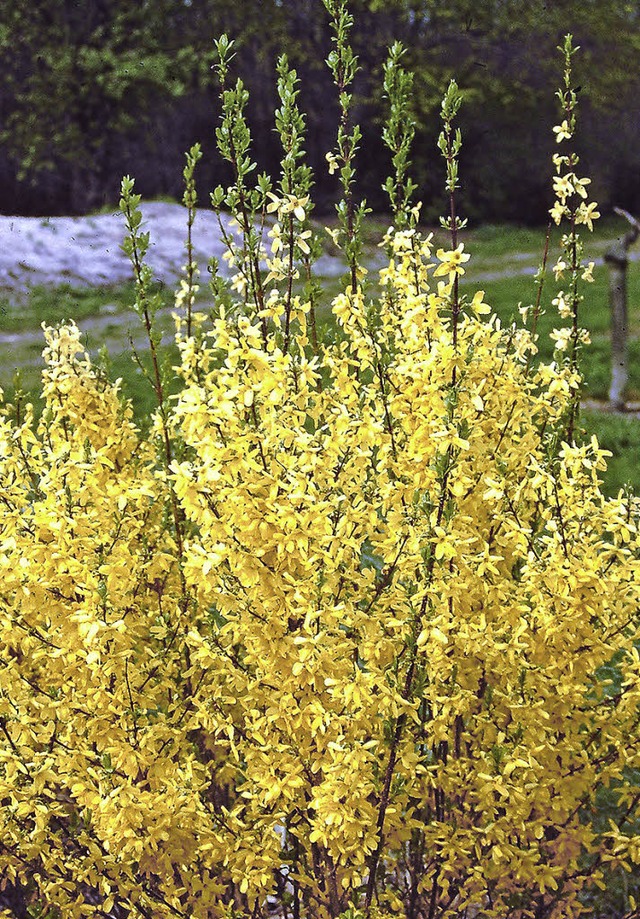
(504, 260)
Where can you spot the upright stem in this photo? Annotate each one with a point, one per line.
(189, 200)
(145, 311)
(406, 695)
(344, 65)
(287, 321)
(540, 278)
(450, 144)
(454, 245)
(386, 789)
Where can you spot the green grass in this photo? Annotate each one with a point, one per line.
(106, 316)
(495, 241)
(62, 303)
(620, 434)
(505, 294)
(499, 256)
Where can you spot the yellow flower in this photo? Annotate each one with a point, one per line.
(559, 268)
(478, 305)
(275, 204)
(276, 235)
(301, 241)
(562, 305)
(562, 131)
(290, 204)
(297, 206)
(239, 283)
(587, 274)
(579, 186)
(452, 261)
(563, 187)
(561, 337)
(332, 162)
(277, 269)
(558, 211)
(587, 213)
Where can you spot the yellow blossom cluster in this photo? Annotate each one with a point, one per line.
(571, 205)
(368, 639)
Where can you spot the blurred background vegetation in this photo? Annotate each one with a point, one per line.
(93, 89)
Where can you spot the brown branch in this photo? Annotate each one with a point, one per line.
(632, 234)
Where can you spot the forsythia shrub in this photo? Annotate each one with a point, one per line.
(352, 631)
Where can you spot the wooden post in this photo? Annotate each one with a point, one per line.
(617, 258)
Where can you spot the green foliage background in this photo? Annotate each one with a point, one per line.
(94, 90)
